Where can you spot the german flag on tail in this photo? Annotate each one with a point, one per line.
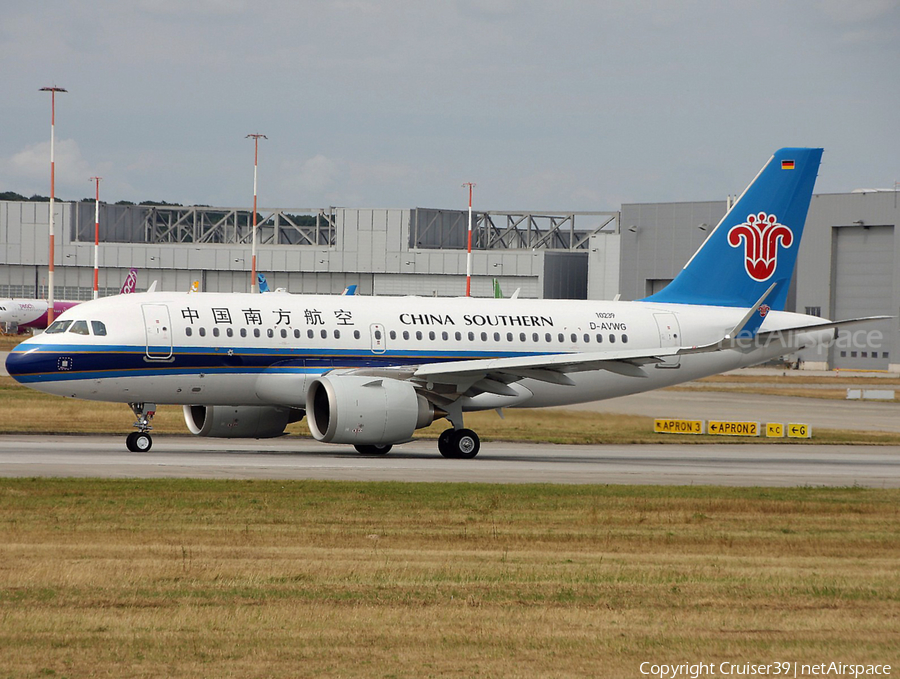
(787, 164)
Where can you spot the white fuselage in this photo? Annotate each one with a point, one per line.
(243, 349)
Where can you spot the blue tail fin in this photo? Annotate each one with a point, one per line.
(755, 244)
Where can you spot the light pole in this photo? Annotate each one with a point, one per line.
(469, 245)
(96, 181)
(52, 90)
(256, 138)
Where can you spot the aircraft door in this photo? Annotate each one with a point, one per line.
(159, 330)
(379, 341)
(669, 336)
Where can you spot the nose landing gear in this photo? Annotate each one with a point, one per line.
(140, 441)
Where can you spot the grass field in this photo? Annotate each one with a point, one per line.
(26, 411)
(271, 579)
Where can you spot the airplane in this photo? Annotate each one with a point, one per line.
(32, 313)
(22, 313)
(370, 371)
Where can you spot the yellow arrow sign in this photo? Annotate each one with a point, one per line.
(799, 431)
(733, 428)
(775, 430)
(678, 426)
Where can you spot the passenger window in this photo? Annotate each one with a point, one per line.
(521, 336)
(496, 336)
(215, 332)
(356, 334)
(270, 333)
(243, 332)
(324, 334)
(624, 339)
(406, 334)
(547, 337)
(80, 328)
(562, 338)
(99, 328)
(310, 334)
(431, 335)
(587, 338)
(256, 332)
(393, 334)
(612, 338)
(599, 338)
(189, 331)
(445, 336)
(484, 337)
(58, 326)
(337, 334)
(418, 334)
(574, 338)
(202, 332)
(229, 332)
(471, 336)
(296, 334)
(283, 333)
(458, 335)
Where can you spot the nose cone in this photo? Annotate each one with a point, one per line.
(27, 364)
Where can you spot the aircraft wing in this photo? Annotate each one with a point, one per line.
(492, 375)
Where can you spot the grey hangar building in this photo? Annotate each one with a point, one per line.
(848, 265)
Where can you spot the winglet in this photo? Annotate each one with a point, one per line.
(750, 323)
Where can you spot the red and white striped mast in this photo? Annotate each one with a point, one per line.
(469, 245)
(96, 181)
(52, 91)
(256, 138)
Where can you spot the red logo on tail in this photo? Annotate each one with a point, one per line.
(761, 234)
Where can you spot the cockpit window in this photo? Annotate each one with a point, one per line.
(58, 326)
(80, 328)
(99, 328)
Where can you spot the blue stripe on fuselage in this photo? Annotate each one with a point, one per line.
(55, 363)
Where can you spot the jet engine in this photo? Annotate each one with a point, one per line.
(365, 410)
(236, 422)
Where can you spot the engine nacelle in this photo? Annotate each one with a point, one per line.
(238, 422)
(365, 410)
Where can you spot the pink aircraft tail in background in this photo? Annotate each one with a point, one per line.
(130, 283)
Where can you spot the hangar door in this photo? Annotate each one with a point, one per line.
(863, 280)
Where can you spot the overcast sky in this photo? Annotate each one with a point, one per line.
(561, 105)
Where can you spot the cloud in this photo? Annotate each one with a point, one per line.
(28, 170)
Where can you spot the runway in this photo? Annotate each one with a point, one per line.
(726, 464)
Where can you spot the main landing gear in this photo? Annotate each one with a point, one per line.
(459, 443)
(140, 441)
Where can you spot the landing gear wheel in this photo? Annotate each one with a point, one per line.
(465, 444)
(139, 442)
(445, 443)
(373, 449)
(459, 444)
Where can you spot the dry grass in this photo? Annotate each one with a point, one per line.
(27, 411)
(264, 579)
